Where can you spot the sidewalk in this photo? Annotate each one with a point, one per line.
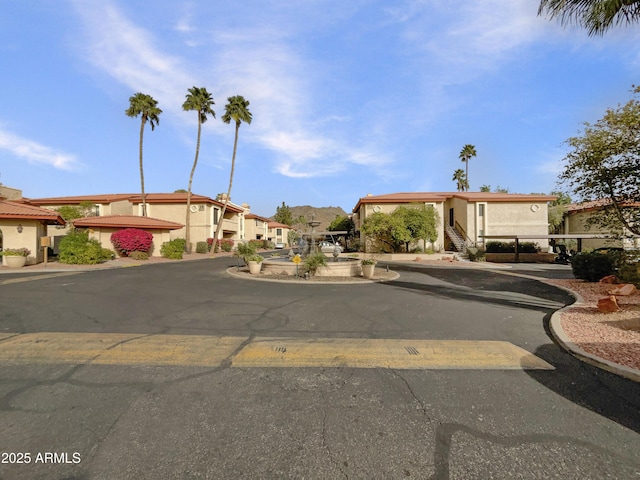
(119, 262)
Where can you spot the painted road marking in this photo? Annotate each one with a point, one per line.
(36, 277)
(386, 353)
(117, 349)
(211, 351)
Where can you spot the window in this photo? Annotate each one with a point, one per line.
(278, 231)
(481, 210)
(215, 216)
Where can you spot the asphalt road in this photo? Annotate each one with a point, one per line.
(286, 390)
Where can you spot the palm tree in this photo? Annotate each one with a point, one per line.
(145, 105)
(467, 152)
(597, 16)
(237, 109)
(200, 100)
(461, 179)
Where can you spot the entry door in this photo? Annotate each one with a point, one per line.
(451, 220)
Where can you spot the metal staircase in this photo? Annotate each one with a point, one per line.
(457, 239)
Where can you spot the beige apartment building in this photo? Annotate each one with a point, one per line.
(171, 207)
(467, 217)
(576, 221)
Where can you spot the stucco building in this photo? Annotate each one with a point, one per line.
(204, 212)
(576, 221)
(466, 216)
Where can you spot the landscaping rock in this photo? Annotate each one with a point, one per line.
(624, 290)
(609, 279)
(608, 304)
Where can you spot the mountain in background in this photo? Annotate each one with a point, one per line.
(324, 215)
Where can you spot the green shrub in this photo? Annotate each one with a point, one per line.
(77, 249)
(254, 258)
(629, 268)
(314, 261)
(510, 247)
(202, 247)
(476, 254)
(226, 244)
(256, 244)
(246, 250)
(592, 266)
(139, 255)
(173, 249)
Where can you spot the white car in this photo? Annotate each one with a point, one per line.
(279, 245)
(328, 247)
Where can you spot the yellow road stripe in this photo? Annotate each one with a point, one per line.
(117, 349)
(36, 277)
(211, 351)
(386, 353)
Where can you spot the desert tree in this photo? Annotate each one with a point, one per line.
(466, 154)
(199, 100)
(603, 165)
(236, 110)
(145, 106)
(596, 16)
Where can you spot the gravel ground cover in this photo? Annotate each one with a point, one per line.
(611, 336)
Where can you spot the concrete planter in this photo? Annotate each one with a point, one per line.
(367, 271)
(254, 267)
(15, 261)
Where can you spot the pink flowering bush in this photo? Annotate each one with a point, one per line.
(131, 240)
(224, 244)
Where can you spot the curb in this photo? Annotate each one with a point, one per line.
(232, 271)
(555, 325)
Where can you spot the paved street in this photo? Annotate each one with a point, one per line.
(183, 371)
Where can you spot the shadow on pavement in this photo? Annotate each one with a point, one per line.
(486, 287)
(604, 393)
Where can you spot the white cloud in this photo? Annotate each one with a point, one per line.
(126, 52)
(285, 89)
(36, 153)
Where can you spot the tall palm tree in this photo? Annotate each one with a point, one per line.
(461, 179)
(467, 152)
(145, 105)
(597, 16)
(201, 101)
(237, 109)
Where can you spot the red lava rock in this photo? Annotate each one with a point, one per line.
(609, 279)
(608, 304)
(623, 290)
(418, 259)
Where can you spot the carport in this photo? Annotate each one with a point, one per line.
(517, 238)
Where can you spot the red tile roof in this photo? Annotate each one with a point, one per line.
(127, 221)
(278, 225)
(252, 216)
(23, 211)
(424, 197)
(595, 204)
(75, 200)
(177, 197)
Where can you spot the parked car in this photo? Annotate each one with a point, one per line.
(328, 247)
(279, 245)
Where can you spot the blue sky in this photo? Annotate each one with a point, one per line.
(348, 98)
